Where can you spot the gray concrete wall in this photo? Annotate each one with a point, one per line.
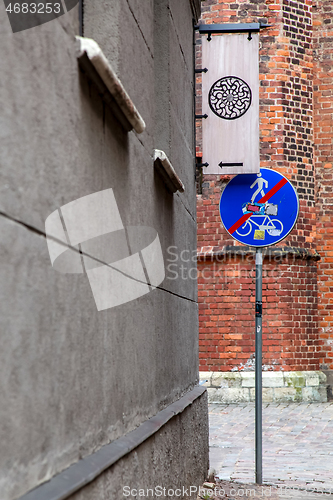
(181, 460)
(74, 378)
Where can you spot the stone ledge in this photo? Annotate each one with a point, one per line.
(276, 253)
(95, 64)
(278, 386)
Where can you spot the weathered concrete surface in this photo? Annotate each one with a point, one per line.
(73, 378)
(181, 460)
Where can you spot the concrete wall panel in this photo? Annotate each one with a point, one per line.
(75, 378)
(102, 23)
(168, 450)
(68, 370)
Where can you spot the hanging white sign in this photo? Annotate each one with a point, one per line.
(230, 98)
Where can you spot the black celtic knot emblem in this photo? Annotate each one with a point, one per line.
(230, 97)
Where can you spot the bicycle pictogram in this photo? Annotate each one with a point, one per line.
(274, 227)
(257, 210)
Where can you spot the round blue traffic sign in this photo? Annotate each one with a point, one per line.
(259, 210)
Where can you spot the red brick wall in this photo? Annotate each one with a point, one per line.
(226, 294)
(226, 335)
(286, 95)
(290, 115)
(323, 159)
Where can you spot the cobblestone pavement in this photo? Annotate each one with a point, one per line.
(297, 444)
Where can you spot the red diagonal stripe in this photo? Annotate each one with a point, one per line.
(272, 191)
(265, 198)
(238, 224)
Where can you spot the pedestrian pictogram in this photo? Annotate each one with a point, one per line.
(259, 209)
(260, 182)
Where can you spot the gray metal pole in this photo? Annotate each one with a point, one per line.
(258, 373)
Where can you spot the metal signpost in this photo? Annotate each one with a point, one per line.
(259, 210)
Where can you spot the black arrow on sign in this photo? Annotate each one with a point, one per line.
(221, 164)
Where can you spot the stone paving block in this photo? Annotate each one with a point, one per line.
(312, 379)
(267, 395)
(322, 378)
(287, 394)
(294, 379)
(317, 394)
(226, 379)
(309, 394)
(217, 379)
(272, 379)
(212, 395)
(232, 395)
(248, 379)
(206, 376)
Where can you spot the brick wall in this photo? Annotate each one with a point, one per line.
(226, 335)
(226, 294)
(323, 149)
(294, 138)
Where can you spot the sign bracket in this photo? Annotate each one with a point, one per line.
(214, 29)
